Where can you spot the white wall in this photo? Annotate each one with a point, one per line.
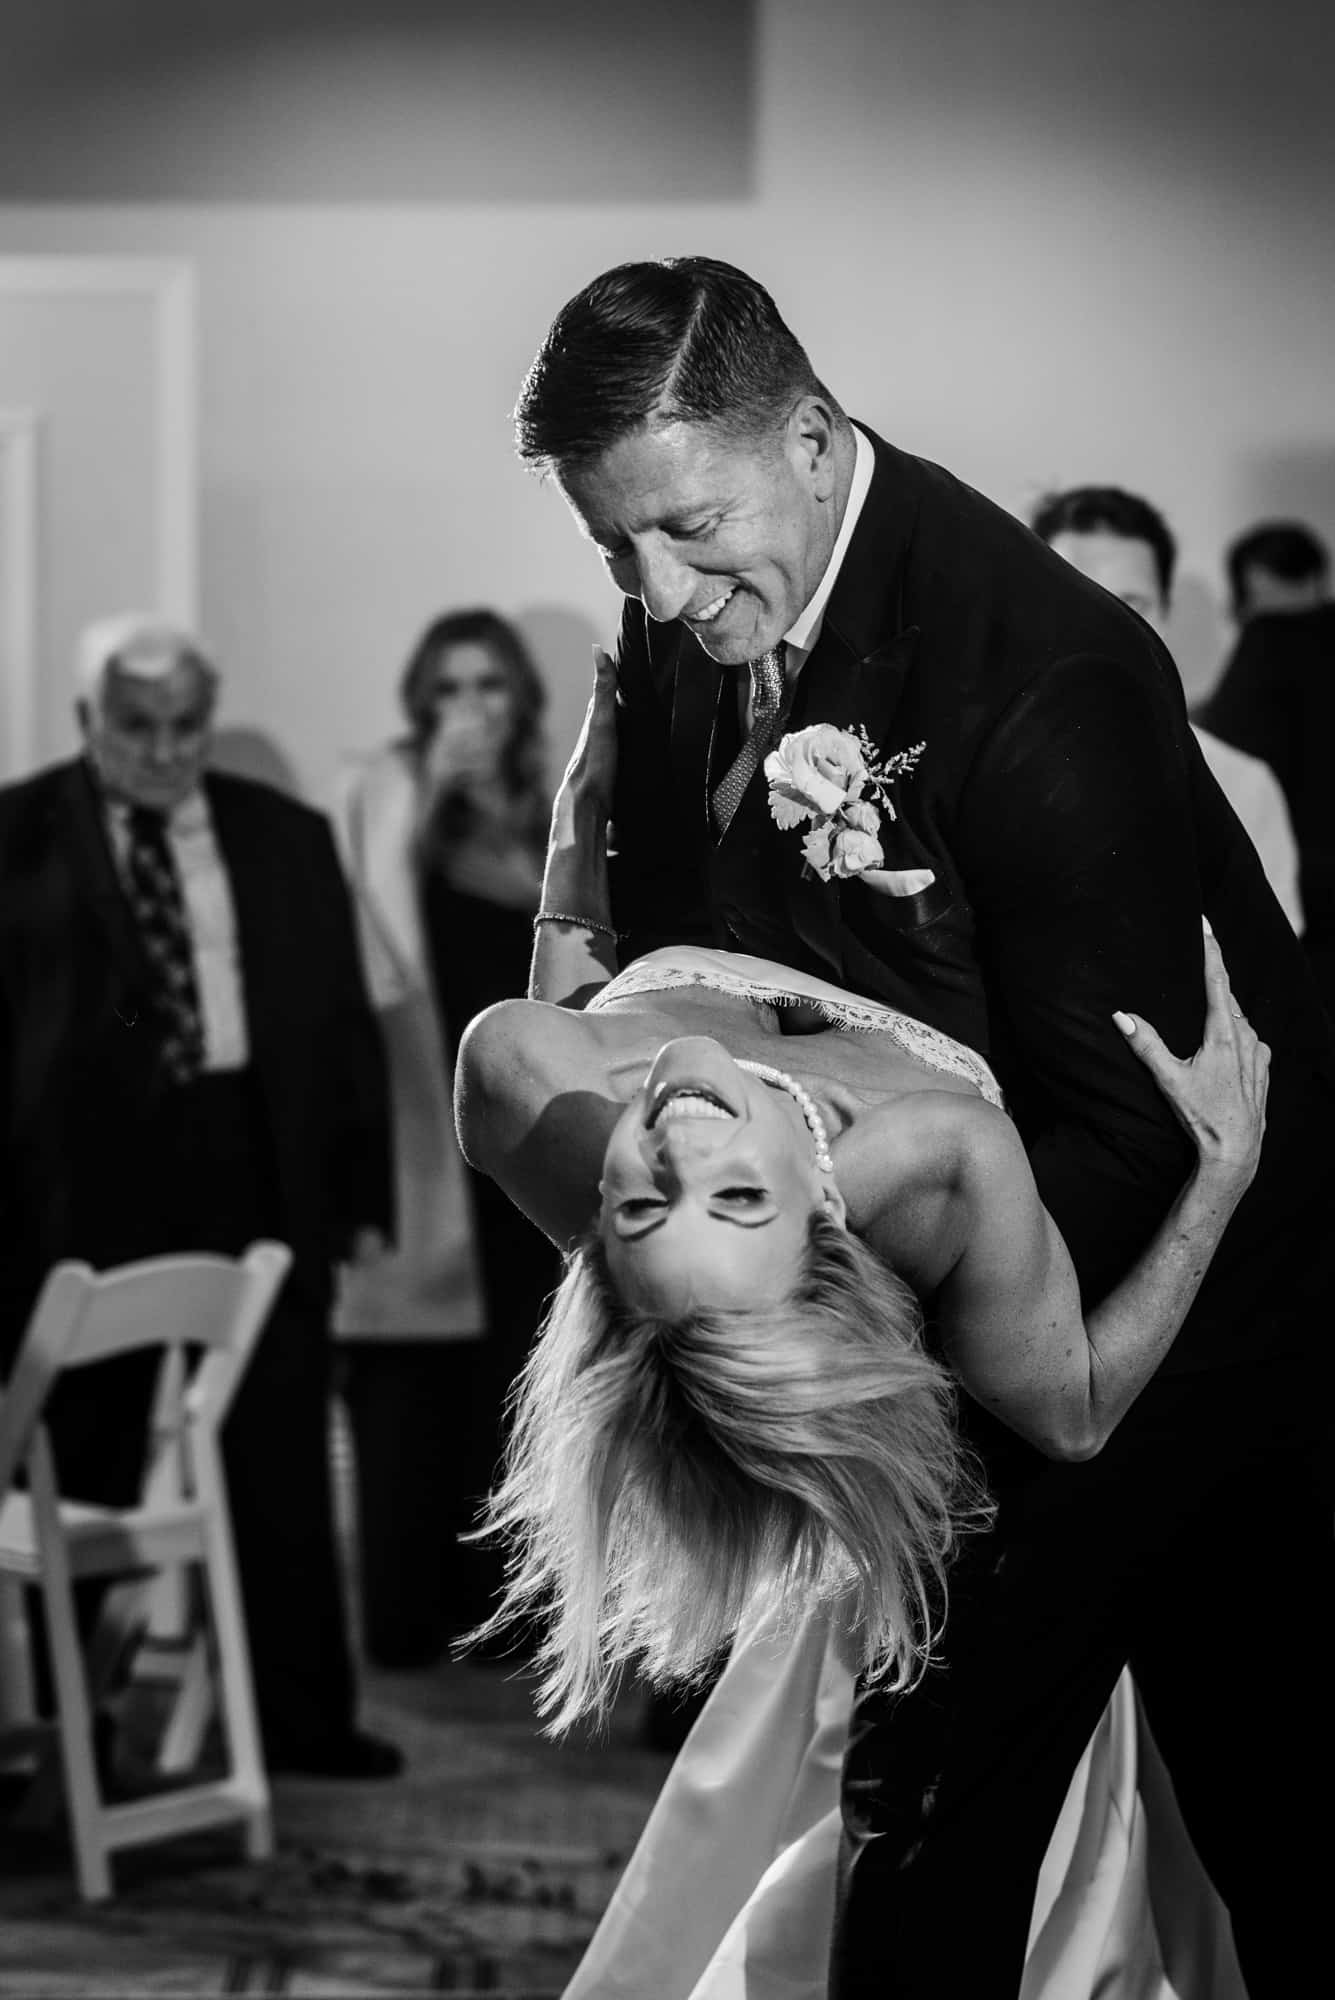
(1038, 242)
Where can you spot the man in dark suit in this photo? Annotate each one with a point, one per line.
(1276, 699)
(188, 1061)
(1122, 541)
(1277, 567)
(1053, 853)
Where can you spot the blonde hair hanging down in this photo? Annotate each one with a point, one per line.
(667, 1479)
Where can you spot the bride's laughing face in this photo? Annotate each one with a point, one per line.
(709, 1183)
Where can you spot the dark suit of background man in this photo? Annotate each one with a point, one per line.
(188, 1061)
(1276, 698)
(1122, 541)
(1075, 837)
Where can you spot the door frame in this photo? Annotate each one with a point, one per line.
(18, 590)
(169, 285)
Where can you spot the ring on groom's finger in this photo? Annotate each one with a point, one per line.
(1237, 1011)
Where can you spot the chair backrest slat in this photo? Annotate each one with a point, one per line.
(45, 1351)
(264, 1267)
(195, 1299)
(218, 1303)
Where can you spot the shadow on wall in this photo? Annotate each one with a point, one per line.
(562, 643)
(249, 753)
(407, 100)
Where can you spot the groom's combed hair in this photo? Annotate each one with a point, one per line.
(668, 1479)
(684, 340)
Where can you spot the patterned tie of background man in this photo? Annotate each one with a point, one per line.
(766, 703)
(159, 907)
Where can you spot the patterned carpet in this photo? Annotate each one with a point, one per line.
(482, 1870)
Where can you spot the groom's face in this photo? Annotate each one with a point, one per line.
(729, 537)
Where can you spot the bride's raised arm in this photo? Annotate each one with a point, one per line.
(574, 940)
(528, 1105)
(1008, 1309)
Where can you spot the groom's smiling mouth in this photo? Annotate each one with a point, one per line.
(707, 613)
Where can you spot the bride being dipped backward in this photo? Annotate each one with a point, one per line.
(796, 1224)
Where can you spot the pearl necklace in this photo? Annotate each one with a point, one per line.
(805, 1103)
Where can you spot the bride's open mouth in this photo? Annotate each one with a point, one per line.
(693, 1076)
(687, 1100)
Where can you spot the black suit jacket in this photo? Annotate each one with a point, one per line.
(1276, 698)
(81, 1070)
(1076, 838)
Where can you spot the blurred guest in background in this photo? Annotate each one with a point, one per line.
(1277, 566)
(1122, 542)
(444, 834)
(187, 1062)
(1276, 699)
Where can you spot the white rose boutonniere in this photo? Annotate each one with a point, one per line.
(835, 779)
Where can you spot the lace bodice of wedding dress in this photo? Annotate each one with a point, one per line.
(769, 984)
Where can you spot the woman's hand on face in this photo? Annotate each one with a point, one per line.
(591, 772)
(1219, 1094)
(461, 750)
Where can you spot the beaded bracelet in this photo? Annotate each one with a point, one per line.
(583, 923)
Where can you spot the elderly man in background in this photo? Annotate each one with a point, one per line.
(188, 1061)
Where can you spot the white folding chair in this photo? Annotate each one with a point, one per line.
(205, 1313)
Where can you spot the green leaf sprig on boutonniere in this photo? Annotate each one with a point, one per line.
(838, 781)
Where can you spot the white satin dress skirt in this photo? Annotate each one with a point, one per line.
(729, 1894)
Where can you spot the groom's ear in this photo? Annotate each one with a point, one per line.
(811, 441)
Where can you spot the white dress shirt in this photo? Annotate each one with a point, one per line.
(211, 916)
(1255, 794)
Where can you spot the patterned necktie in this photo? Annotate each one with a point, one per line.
(766, 700)
(159, 906)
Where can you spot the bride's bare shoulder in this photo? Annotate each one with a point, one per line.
(507, 1027)
(927, 1132)
(528, 1031)
(511, 1058)
(909, 1171)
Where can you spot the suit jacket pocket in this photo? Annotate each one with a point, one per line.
(867, 910)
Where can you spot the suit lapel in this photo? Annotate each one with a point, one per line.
(83, 833)
(699, 685)
(252, 880)
(851, 693)
(854, 677)
(839, 688)
(856, 673)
